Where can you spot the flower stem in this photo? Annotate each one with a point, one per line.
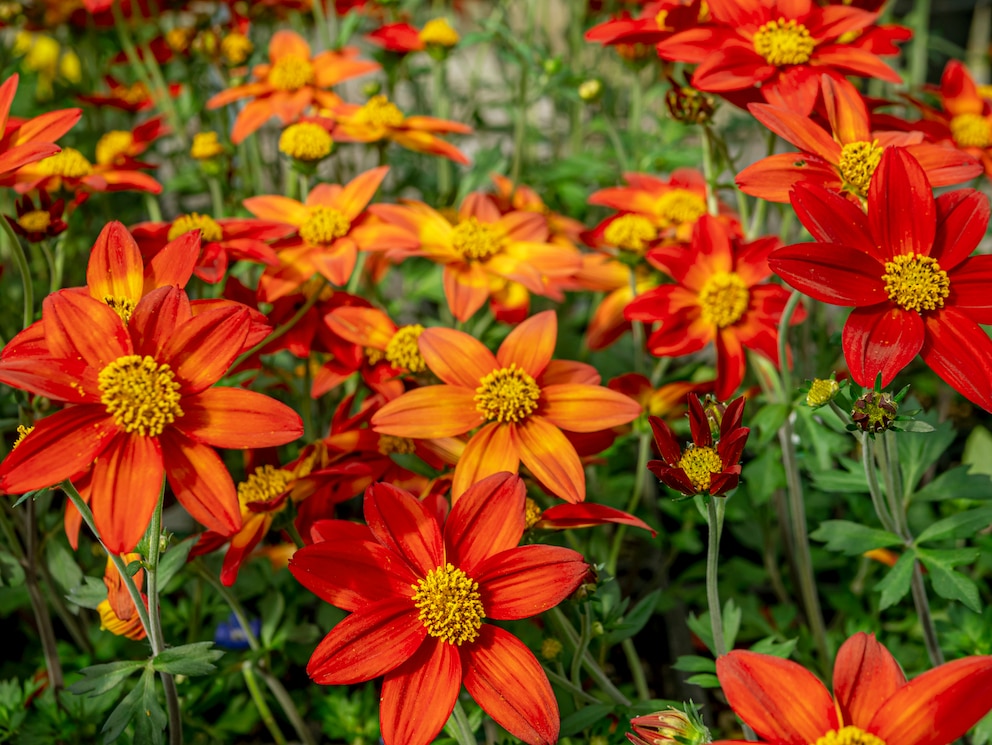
(640, 481)
(604, 683)
(714, 519)
(871, 475)
(442, 107)
(463, 729)
(263, 708)
(323, 30)
(922, 603)
(709, 172)
(17, 251)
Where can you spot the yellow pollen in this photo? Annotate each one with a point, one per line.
(324, 226)
(22, 432)
(699, 465)
(291, 73)
(205, 146)
(551, 649)
(723, 299)
(70, 163)
(784, 42)
(661, 19)
(209, 229)
(680, 206)
(379, 111)
(264, 485)
(439, 32)
(402, 350)
(305, 141)
(374, 355)
(235, 48)
(36, 221)
(142, 395)
(112, 145)
(389, 444)
(132, 94)
(972, 130)
(532, 513)
(916, 282)
(449, 604)
(630, 233)
(178, 39)
(849, 736)
(476, 240)
(122, 306)
(821, 392)
(507, 395)
(858, 161)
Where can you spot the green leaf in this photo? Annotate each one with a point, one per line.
(189, 659)
(173, 560)
(895, 584)
(122, 714)
(978, 451)
(948, 583)
(11, 571)
(691, 663)
(89, 594)
(957, 483)
(961, 525)
(585, 717)
(704, 680)
(852, 538)
(731, 623)
(149, 723)
(919, 451)
(634, 620)
(914, 425)
(846, 482)
(767, 421)
(769, 645)
(99, 679)
(62, 564)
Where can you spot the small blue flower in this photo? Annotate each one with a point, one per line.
(231, 635)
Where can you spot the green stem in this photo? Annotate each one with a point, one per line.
(357, 273)
(921, 40)
(562, 682)
(263, 708)
(922, 603)
(442, 111)
(614, 137)
(280, 330)
(216, 197)
(709, 172)
(53, 274)
(295, 535)
(783, 343)
(640, 481)
(21, 259)
(463, 729)
(520, 123)
(714, 520)
(757, 225)
(152, 208)
(871, 476)
(636, 669)
(590, 664)
(320, 21)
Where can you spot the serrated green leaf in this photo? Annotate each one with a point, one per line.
(731, 623)
(692, 663)
(957, 483)
(895, 584)
(189, 659)
(99, 679)
(149, 722)
(948, 583)
(914, 425)
(62, 564)
(584, 717)
(124, 712)
(11, 571)
(704, 680)
(89, 594)
(852, 538)
(769, 645)
(961, 525)
(635, 619)
(173, 560)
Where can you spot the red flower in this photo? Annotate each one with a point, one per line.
(23, 142)
(872, 704)
(418, 593)
(906, 268)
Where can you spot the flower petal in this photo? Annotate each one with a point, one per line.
(201, 483)
(127, 480)
(526, 580)
(552, 459)
(880, 339)
(115, 269)
(960, 352)
(401, 523)
(76, 325)
(492, 449)
(455, 357)
(432, 411)
(832, 218)
(418, 697)
(962, 219)
(236, 418)
(865, 675)
(201, 350)
(586, 408)
(901, 209)
(487, 518)
(531, 344)
(831, 272)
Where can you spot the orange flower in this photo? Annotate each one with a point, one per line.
(142, 408)
(118, 614)
(510, 197)
(23, 142)
(391, 349)
(292, 82)
(130, 98)
(485, 253)
(380, 119)
(520, 399)
(332, 227)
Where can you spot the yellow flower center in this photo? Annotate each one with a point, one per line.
(849, 736)
(291, 73)
(723, 299)
(70, 163)
(374, 355)
(972, 130)
(305, 141)
(699, 465)
(267, 483)
(209, 229)
(35, 221)
(122, 306)
(439, 32)
(551, 650)
(532, 513)
(821, 392)
(507, 395)
(630, 233)
(680, 206)
(379, 111)
(402, 350)
(235, 48)
(916, 282)
(205, 146)
(476, 240)
(178, 39)
(858, 161)
(784, 42)
(389, 444)
(142, 395)
(449, 603)
(112, 145)
(22, 432)
(324, 226)
(132, 94)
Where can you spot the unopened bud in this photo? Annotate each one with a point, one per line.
(874, 412)
(590, 90)
(821, 392)
(668, 727)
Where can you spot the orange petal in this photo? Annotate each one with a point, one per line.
(531, 344)
(202, 349)
(433, 411)
(492, 449)
(76, 325)
(401, 523)
(277, 208)
(417, 697)
(358, 192)
(486, 519)
(455, 357)
(174, 264)
(201, 483)
(528, 580)
(127, 480)
(368, 327)
(238, 419)
(865, 675)
(466, 288)
(552, 459)
(115, 268)
(286, 43)
(587, 408)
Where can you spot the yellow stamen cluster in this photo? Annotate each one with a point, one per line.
(723, 299)
(291, 73)
(324, 225)
(402, 350)
(389, 444)
(449, 604)
(784, 42)
(821, 392)
(306, 141)
(858, 161)
(122, 306)
(70, 163)
(438, 32)
(235, 48)
(132, 94)
(140, 394)
(205, 146)
(35, 221)
(379, 111)
(112, 145)
(532, 513)
(972, 130)
(507, 395)
(374, 355)
(630, 233)
(849, 736)
(916, 282)
(264, 485)
(179, 39)
(22, 432)
(680, 206)
(699, 465)
(551, 649)
(209, 229)
(476, 241)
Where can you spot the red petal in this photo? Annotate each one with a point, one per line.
(960, 352)
(201, 350)
(962, 219)
(865, 675)
(418, 697)
(201, 483)
(487, 518)
(115, 268)
(586, 515)
(832, 218)
(901, 207)
(524, 581)
(236, 418)
(127, 481)
(402, 524)
(76, 325)
(970, 283)
(832, 273)
(880, 339)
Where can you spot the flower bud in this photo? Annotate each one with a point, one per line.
(590, 90)
(668, 727)
(874, 412)
(821, 392)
